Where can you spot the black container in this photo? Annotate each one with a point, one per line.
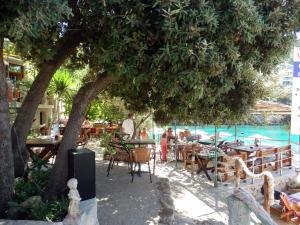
(82, 167)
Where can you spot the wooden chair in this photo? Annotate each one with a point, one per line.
(189, 156)
(94, 133)
(122, 153)
(141, 156)
(227, 166)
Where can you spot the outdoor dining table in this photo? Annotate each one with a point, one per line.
(49, 145)
(131, 143)
(249, 149)
(203, 159)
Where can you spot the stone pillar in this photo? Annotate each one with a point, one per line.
(239, 213)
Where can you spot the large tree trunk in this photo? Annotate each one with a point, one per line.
(6, 155)
(81, 101)
(29, 106)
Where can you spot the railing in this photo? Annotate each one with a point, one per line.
(257, 162)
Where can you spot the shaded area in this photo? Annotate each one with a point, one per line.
(122, 202)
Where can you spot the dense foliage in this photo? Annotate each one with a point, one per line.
(106, 108)
(199, 60)
(34, 184)
(32, 25)
(186, 59)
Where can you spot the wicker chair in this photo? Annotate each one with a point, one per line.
(141, 156)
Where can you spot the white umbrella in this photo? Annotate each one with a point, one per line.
(259, 136)
(224, 134)
(201, 132)
(205, 137)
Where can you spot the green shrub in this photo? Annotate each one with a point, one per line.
(34, 184)
(53, 211)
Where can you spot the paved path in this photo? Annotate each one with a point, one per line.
(195, 200)
(122, 202)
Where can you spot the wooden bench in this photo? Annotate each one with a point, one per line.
(286, 152)
(227, 168)
(266, 157)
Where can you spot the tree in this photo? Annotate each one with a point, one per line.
(48, 45)
(211, 60)
(186, 58)
(6, 156)
(18, 19)
(107, 108)
(81, 100)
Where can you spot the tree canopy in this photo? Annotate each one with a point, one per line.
(191, 60)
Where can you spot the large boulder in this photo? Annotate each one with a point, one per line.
(32, 202)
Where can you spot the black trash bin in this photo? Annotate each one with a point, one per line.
(82, 167)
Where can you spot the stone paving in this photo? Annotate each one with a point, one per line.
(194, 200)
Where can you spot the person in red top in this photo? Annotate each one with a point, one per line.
(163, 146)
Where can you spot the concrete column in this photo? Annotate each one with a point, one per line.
(239, 213)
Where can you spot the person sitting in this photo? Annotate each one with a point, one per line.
(163, 146)
(181, 137)
(181, 140)
(187, 133)
(170, 136)
(144, 134)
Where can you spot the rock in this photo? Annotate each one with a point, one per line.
(166, 213)
(209, 222)
(166, 202)
(16, 212)
(32, 202)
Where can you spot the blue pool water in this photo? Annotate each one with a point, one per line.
(278, 135)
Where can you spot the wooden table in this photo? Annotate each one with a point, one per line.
(202, 160)
(250, 148)
(128, 145)
(249, 151)
(49, 146)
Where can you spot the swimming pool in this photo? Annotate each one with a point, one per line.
(278, 135)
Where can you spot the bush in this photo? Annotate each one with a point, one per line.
(53, 211)
(34, 184)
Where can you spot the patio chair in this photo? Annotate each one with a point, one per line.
(122, 153)
(94, 133)
(291, 211)
(141, 156)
